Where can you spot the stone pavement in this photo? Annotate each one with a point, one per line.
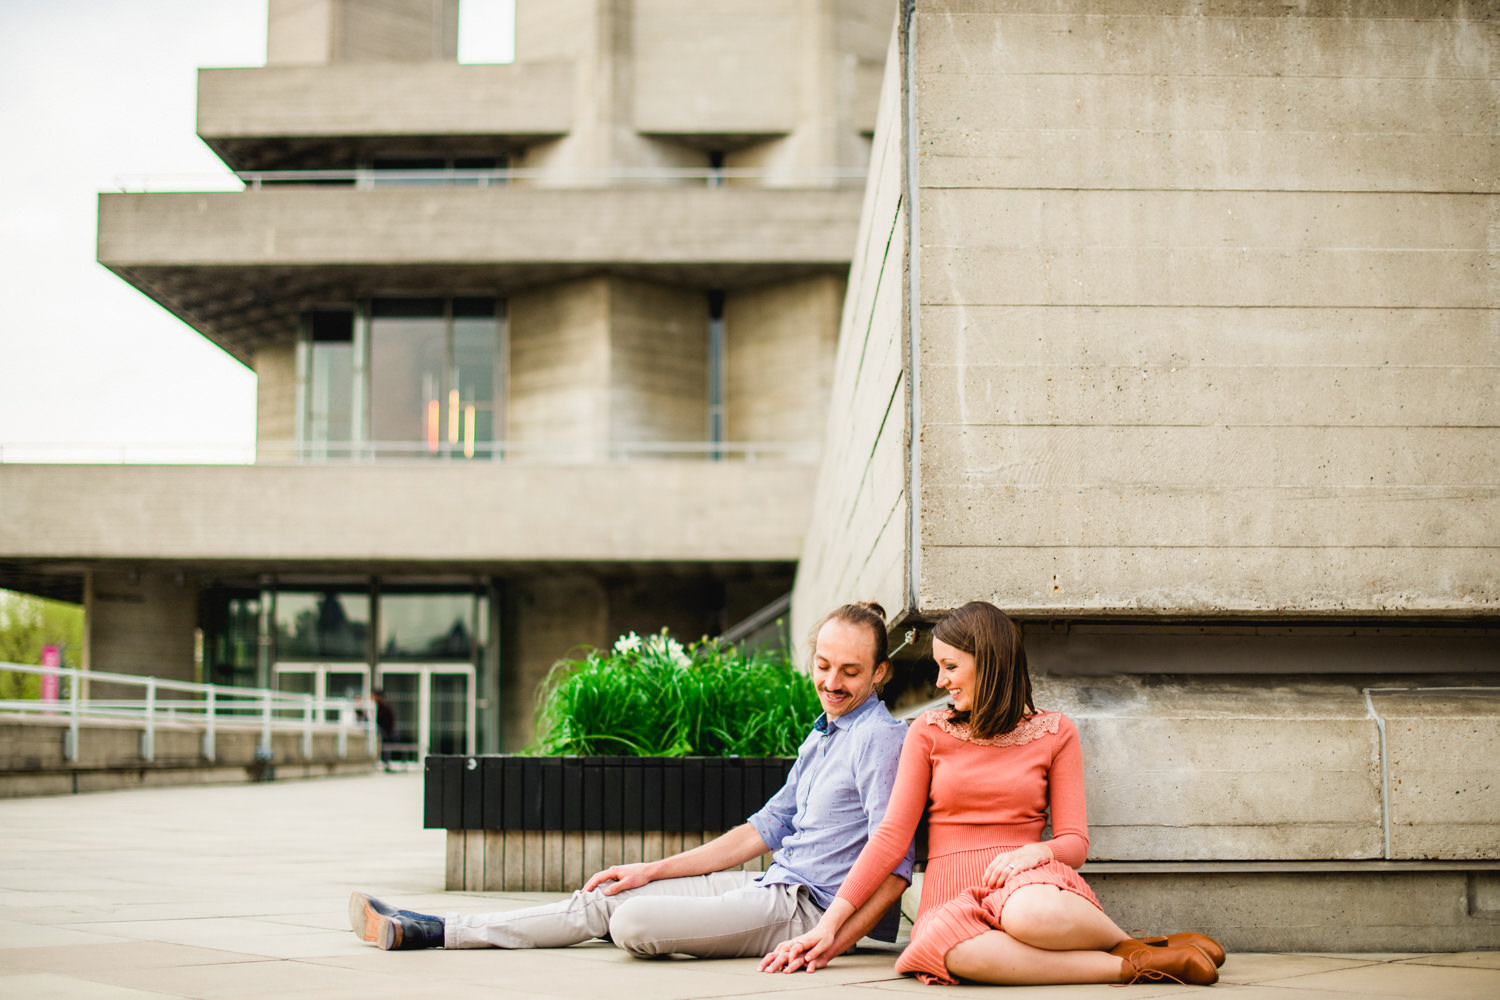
(240, 891)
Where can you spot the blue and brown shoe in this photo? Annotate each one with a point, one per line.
(390, 928)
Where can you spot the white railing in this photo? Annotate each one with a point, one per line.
(339, 452)
(365, 178)
(206, 705)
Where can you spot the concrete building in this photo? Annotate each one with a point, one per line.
(1173, 330)
(543, 350)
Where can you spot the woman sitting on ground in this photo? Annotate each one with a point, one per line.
(999, 904)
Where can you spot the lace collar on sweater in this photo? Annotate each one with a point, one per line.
(1030, 728)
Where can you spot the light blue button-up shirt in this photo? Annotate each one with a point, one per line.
(832, 802)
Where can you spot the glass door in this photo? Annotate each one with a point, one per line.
(434, 708)
(324, 681)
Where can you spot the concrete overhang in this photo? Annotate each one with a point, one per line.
(241, 266)
(479, 517)
(310, 117)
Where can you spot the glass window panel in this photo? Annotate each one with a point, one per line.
(322, 626)
(450, 713)
(231, 637)
(427, 627)
(470, 413)
(403, 696)
(407, 356)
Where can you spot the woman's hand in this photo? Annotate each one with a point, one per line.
(808, 951)
(1010, 862)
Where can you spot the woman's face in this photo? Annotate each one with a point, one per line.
(955, 673)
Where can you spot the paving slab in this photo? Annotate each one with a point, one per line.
(228, 892)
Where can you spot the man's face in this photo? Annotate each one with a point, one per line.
(844, 669)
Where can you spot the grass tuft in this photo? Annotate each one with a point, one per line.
(652, 697)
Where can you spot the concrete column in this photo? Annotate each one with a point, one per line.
(559, 365)
(275, 367)
(597, 36)
(319, 32)
(658, 380)
(548, 617)
(606, 360)
(780, 343)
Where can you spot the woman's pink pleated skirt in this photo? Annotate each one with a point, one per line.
(956, 906)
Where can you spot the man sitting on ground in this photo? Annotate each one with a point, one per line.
(690, 903)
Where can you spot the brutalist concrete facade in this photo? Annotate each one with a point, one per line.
(1172, 331)
(656, 201)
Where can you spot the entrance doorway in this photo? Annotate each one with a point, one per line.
(434, 706)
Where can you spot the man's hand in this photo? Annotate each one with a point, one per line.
(622, 877)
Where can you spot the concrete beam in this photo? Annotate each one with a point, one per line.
(442, 225)
(412, 512)
(239, 110)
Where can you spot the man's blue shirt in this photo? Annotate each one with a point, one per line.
(832, 803)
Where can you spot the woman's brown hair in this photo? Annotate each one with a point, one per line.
(1002, 686)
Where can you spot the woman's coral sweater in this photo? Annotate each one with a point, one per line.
(991, 794)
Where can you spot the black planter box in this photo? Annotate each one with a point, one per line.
(576, 794)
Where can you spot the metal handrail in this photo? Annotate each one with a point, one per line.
(272, 710)
(369, 178)
(339, 452)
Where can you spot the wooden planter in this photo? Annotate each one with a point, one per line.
(547, 823)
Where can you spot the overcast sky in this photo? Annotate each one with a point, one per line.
(91, 91)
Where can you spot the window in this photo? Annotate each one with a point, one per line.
(326, 625)
(329, 427)
(403, 378)
(430, 627)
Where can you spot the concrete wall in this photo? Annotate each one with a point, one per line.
(780, 342)
(1207, 318)
(856, 541)
(140, 622)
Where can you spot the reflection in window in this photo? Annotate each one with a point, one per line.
(428, 627)
(322, 626)
(433, 375)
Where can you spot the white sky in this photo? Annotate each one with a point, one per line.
(92, 90)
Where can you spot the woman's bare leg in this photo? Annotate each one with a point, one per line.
(1054, 919)
(996, 957)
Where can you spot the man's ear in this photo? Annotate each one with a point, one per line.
(883, 673)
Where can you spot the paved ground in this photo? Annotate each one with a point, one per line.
(240, 891)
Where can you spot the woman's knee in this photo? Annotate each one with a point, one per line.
(1035, 911)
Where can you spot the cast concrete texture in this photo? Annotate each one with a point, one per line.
(694, 511)
(240, 892)
(1204, 307)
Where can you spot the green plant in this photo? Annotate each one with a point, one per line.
(651, 697)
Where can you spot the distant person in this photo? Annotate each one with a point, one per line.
(385, 721)
(999, 904)
(690, 903)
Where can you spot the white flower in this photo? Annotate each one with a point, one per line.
(628, 643)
